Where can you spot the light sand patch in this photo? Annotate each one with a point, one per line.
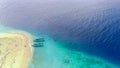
(15, 50)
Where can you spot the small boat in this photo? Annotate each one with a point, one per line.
(38, 45)
(39, 40)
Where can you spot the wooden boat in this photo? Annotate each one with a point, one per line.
(39, 40)
(38, 45)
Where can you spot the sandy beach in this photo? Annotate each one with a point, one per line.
(15, 50)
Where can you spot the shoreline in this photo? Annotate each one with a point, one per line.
(42, 56)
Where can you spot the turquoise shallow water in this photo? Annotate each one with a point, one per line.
(55, 55)
(93, 22)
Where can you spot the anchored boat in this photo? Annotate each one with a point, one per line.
(39, 42)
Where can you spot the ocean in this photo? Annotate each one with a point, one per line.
(91, 27)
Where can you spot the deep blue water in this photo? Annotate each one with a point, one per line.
(89, 26)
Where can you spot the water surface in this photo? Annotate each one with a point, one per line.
(90, 23)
